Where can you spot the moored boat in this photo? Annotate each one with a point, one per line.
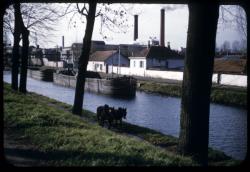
(124, 86)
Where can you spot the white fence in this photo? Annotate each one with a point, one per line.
(226, 79)
(239, 80)
(174, 75)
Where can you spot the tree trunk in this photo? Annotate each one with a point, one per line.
(25, 54)
(197, 80)
(4, 5)
(16, 55)
(24, 62)
(246, 7)
(83, 61)
(247, 70)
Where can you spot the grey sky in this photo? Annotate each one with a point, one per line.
(176, 24)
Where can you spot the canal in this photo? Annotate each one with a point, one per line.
(228, 125)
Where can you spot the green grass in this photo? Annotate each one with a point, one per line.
(63, 139)
(232, 96)
(229, 97)
(68, 140)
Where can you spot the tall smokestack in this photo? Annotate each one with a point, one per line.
(136, 28)
(62, 41)
(162, 34)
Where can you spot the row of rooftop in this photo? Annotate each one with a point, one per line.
(138, 57)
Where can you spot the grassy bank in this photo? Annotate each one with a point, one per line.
(221, 95)
(63, 139)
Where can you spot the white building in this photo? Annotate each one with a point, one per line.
(156, 57)
(103, 61)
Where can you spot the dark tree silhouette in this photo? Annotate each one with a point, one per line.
(84, 58)
(16, 47)
(112, 20)
(24, 59)
(20, 29)
(247, 10)
(4, 5)
(197, 80)
(38, 18)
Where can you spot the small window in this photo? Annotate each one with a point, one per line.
(96, 66)
(100, 66)
(134, 63)
(141, 64)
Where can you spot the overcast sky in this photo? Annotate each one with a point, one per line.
(176, 24)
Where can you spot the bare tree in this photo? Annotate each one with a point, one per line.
(19, 30)
(243, 45)
(225, 47)
(83, 61)
(236, 46)
(111, 19)
(235, 17)
(24, 58)
(15, 54)
(4, 5)
(38, 18)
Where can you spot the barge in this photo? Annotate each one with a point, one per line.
(41, 73)
(124, 86)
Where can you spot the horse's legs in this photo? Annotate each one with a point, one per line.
(102, 121)
(109, 124)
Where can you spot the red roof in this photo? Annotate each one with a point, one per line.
(101, 55)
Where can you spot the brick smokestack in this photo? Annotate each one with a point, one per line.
(136, 27)
(162, 31)
(62, 41)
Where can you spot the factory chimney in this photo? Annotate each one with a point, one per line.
(62, 41)
(135, 27)
(162, 31)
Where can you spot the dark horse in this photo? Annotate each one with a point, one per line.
(119, 114)
(110, 114)
(105, 113)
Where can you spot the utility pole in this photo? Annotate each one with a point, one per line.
(56, 57)
(112, 65)
(75, 31)
(117, 66)
(119, 60)
(36, 39)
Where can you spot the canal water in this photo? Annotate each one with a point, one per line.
(228, 125)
